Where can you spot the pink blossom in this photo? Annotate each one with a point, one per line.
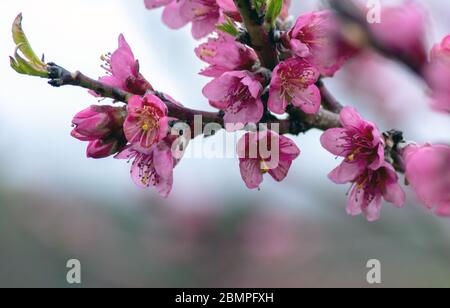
(285, 11)
(359, 141)
(123, 71)
(370, 188)
(314, 38)
(403, 29)
(265, 152)
(293, 82)
(441, 52)
(154, 4)
(101, 126)
(227, 6)
(428, 173)
(204, 14)
(147, 122)
(237, 93)
(225, 54)
(102, 148)
(437, 74)
(151, 167)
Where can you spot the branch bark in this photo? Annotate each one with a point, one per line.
(260, 38)
(329, 102)
(348, 11)
(298, 122)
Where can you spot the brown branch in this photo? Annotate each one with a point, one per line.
(323, 120)
(329, 102)
(59, 77)
(296, 124)
(349, 12)
(260, 39)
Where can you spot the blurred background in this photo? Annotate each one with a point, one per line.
(56, 205)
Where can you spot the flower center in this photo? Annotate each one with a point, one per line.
(149, 118)
(205, 52)
(264, 167)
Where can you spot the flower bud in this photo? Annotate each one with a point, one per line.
(102, 148)
(97, 122)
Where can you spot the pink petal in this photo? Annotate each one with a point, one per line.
(355, 201)
(333, 141)
(281, 172)
(203, 27)
(346, 172)
(134, 103)
(276, 103)
(163, 161)
(218, 89)
(373, 210)
(395, 194)
(288, 149)
(443, 209)
(244, 112)
(301, 50)
(164, 186)
(163, 128)
(379, 159)
(351, 118)
(227, 5)
(308, 100)
(251, 172)
(153, 4)
(172, 16)
(136, 176)
(112, 81)
(122, 61)
(125, 153)
(253, 85)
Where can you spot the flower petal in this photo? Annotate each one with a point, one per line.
(373, 210)
(251, 172)
(351, 118)
(276, 104)
(281, 172)
(308, 99)
(333, 141)
(346, 172)
(395, 194)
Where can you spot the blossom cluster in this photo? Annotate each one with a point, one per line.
(247, 93)
(362, 146)
(237, 89)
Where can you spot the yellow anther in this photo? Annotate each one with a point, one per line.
(207, 53)
(264, 167)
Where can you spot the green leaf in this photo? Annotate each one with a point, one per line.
(22, 66)
(229, 27)
(16, 66)
(259, 4)
(274, 8)
(22, 42)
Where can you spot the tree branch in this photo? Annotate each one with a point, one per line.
(260, 39)
(328, 101)
(298, 123)
(348, 11)
(59, 77)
